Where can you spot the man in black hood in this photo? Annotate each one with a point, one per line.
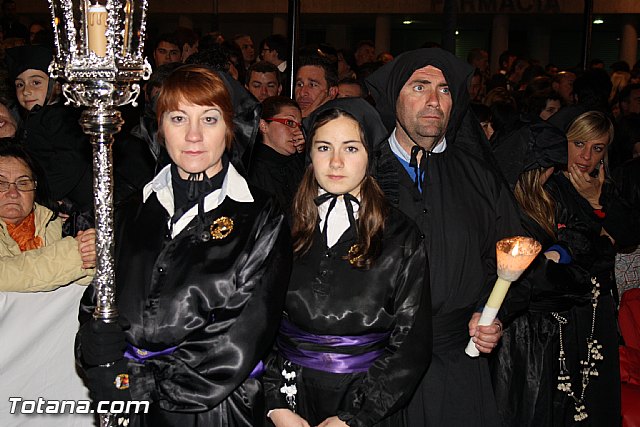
(436, 167)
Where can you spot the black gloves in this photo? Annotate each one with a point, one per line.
(109, 382)
(101, 343)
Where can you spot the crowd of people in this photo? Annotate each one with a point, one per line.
(321, 257)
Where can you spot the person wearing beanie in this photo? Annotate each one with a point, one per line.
(49, 130)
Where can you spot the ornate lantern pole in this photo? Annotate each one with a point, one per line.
(99, 56)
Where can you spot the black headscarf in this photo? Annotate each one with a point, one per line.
(385, 84)
(367, 116)
(532, 146)
(374, 133)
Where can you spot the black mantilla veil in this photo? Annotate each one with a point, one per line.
(464, 130)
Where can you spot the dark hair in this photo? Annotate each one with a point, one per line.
(351, 81)
(348, 57)
(169, 38)
(11, 147)
(264, 67)
(592, 89)
(371, 213)
(215, 57)
(329, 67)
(536, 103)
(274, 104)
(234, 54)
(279, 43)
(159, 74)
(620, 66)
(199, 86)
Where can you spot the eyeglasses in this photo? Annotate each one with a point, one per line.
(286, 122)
(25, 184)
(266, 49)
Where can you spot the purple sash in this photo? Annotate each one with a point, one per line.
(337, 363)
(140, 355)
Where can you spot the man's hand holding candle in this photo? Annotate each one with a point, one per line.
(513, 256)
(486, 338)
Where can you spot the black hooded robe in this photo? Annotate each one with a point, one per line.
(464, 210)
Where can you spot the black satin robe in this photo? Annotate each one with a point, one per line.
(218, 301)
(327, 296)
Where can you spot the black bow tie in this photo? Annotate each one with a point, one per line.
(348, 198)
(419, 169)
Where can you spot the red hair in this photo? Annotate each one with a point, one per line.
(197, 85)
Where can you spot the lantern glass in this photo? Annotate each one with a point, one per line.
(119, 37)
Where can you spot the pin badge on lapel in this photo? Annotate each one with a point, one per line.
(221, 227)
(122, 381)
(354, 255)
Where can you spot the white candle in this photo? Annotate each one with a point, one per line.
(97, 26)
(513, 256)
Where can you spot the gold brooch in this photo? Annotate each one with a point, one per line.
(353, 254)
(221, 227)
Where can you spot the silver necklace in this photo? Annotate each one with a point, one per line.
(588, 366)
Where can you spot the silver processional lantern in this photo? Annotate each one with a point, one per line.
(99, 57)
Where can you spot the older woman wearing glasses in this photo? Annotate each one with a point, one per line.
(33, 254)
(42, 278)
(276, 165)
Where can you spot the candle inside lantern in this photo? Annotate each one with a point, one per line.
(97, 26)
(127, 20)
(513, 256)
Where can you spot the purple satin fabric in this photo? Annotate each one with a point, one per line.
(337, 363)
(258, 370)
(140, 355)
